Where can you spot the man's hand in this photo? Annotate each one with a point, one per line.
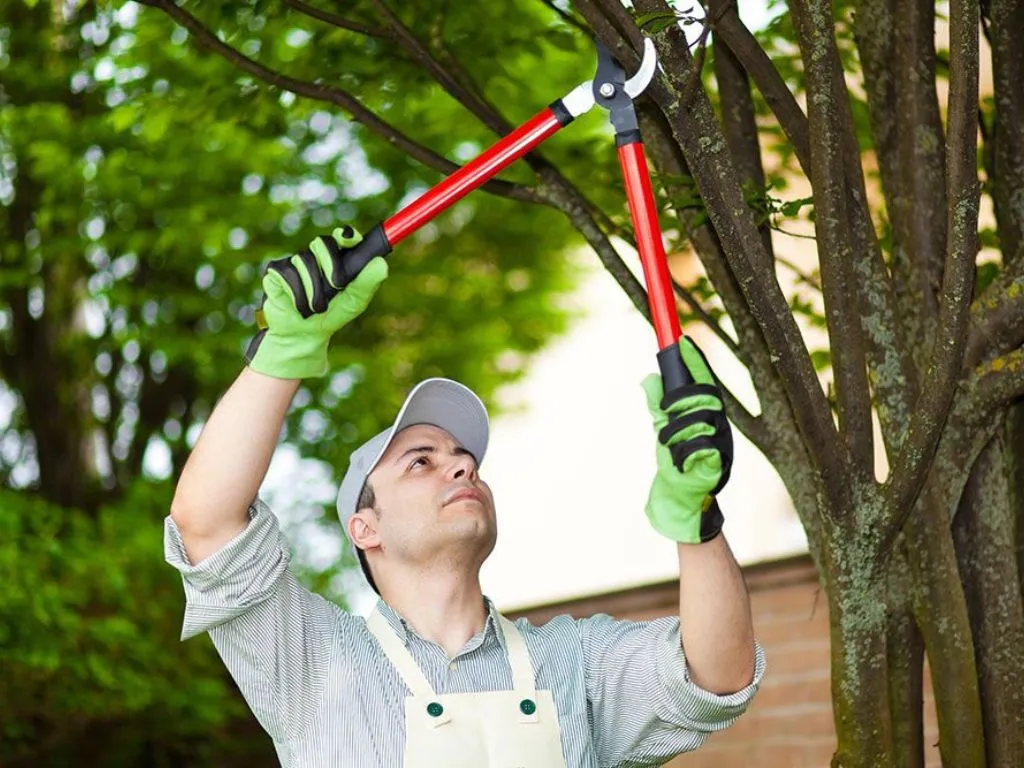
(694, 452)
(306, 302)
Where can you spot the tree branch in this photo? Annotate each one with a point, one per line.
(886, 300)
(487, 114)
(781, 429)
(816, 38)
(207, 39)
(889, 353)
(875, 33)
(335, 20)
(695, 307)
(734, 34)
(920, 152)
(777, 427)
(695, 129)
(997, 316)
(739, 121)
(568, 202)
(974, 418)
(1007, 21)
(782, 438)
(912, 464)
(998, 382)
(621, 19)
(568, 18)
(830, 126)
(704, 147)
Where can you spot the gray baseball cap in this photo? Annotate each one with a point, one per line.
(444, 403)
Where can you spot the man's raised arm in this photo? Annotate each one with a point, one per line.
(694, 457)
(307, 299)
(228, 464)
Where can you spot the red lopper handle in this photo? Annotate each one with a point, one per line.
(660, 296)
(472, 175)
(382, 238)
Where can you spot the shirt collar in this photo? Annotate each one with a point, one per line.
(403, 629)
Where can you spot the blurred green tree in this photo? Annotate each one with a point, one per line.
(142, 186)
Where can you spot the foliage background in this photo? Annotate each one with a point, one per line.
(143, 184)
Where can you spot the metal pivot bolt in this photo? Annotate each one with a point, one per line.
(607, 90)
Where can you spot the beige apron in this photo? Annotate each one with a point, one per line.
(493, 729)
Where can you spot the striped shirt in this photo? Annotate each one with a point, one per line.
(319, 684)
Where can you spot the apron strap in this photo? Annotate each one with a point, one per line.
(399, 656)
(523, 681)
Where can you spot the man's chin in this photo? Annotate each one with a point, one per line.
(473, 527)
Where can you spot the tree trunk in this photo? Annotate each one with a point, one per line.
(984, 534)
(860, 690)
(905, 656)
(941, 611)
(57, 407)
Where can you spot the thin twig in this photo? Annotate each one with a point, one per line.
(359, 113)
(782, 231)
(798, 272)
(734, 33)
(337, 21)
(487, 114)
(691, 301)
(568, 18)
(710, 20)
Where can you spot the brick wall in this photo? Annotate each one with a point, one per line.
(789, 724)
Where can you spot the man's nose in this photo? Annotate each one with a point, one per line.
(463, 466)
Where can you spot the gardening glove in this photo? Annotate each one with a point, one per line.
(694, 452)
(306, 300)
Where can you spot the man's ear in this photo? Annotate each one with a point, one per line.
(362, 529)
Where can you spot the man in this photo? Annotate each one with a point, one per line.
(435, 676)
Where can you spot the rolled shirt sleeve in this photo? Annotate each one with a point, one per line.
(274, 635)
(646, 709)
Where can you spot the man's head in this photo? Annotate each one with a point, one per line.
(411, 498)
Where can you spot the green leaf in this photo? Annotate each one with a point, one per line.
(657, 21)
(792, 208)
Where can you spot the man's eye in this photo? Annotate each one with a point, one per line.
(416, 463)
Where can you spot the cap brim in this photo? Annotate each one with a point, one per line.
(449, 405)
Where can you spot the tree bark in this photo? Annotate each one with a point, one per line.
(860, 686)
(814, 24)
(1006, 19)
(984, 535)
(905, 656)
(921, 147)
(941, 612)
(739, 122)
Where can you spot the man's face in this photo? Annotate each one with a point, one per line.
(432, 504)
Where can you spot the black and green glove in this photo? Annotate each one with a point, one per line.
(694, 452)
(307, 298)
